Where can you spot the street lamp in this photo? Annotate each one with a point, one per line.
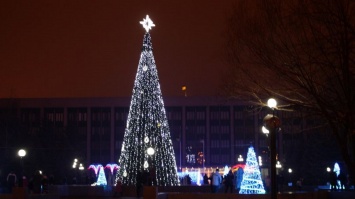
(22, 153)
(180, 149)
(289, 177)
(329, 169)
(78, 167)
(203, 153)
(272, 123)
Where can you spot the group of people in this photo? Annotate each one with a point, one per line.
(230, 182)
(37, 184)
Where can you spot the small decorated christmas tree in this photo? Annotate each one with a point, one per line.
(251, 183)
(101, 179)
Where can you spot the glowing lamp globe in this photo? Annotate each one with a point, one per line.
(21, 153)
(272, 103)
(271, 122)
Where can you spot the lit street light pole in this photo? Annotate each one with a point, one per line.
(22, 153)
(203, 153)
(289, 177)
(272, 123)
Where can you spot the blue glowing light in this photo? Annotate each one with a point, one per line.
(101, 179)
(251, 183)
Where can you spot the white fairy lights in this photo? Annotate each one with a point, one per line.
(147, 145)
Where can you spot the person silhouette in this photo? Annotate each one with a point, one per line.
(11, 181)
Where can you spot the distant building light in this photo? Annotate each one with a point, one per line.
(278, 165)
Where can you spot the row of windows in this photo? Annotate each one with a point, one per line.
(220, 143)
(54, 117)
(196, 115)
(77, 117)
(30, 117)
(242, 143)
(101, 115)
(173, 115)
(196, 129)
(219, 115)
(217, 159)
(104, 114)
(220, 129)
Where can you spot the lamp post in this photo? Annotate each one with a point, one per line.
(272, 123)
(329, 170)
(78, 170)
(289, 177)
(180, 150)
(22, 153)
(203, 153)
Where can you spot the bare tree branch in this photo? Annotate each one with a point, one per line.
(301, 52)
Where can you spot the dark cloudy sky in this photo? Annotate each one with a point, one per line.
(91, 48)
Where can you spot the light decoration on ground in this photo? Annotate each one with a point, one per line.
(251, 183)
(99, 173)
(226, 170)
(147, 125)
(112, 167)
(95, 167)
(101, 179)
(336, 169)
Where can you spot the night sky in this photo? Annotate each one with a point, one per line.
(87, 48)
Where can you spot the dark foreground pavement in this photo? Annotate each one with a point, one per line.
(180, 192)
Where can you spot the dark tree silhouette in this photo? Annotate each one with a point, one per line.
(302, 53)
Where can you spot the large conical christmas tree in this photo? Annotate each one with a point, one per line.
(251, 183)
(147, 146)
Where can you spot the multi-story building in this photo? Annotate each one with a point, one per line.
(55, 131)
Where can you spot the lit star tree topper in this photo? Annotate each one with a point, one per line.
(147, 23)
(147, 145)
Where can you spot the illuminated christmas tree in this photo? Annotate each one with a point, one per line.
(251, 183)
(147, 146)
(101, 179)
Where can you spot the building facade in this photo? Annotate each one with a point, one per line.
(204, 131)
